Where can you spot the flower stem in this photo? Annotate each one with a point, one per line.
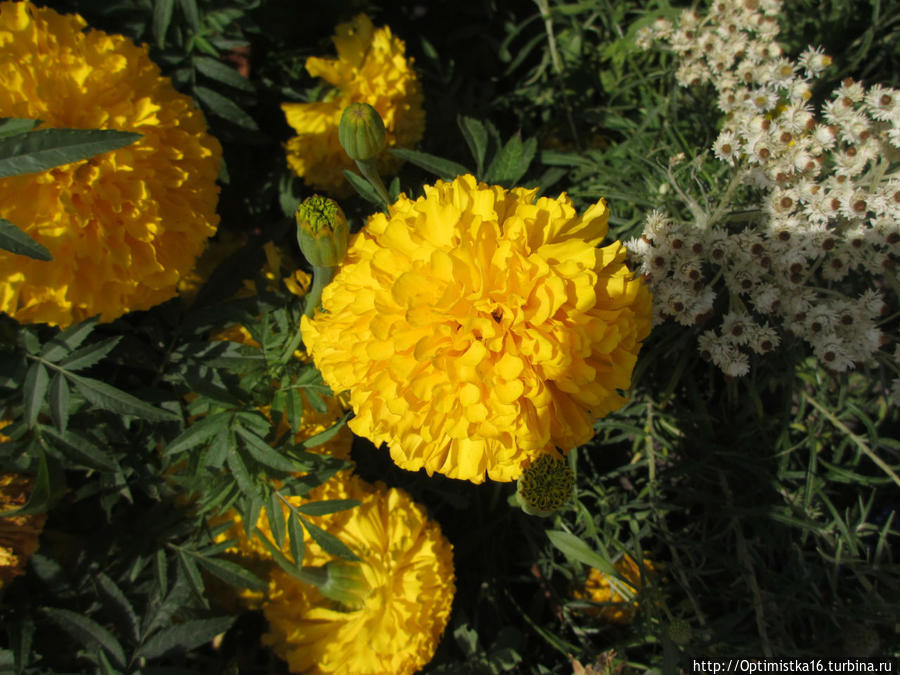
(370, 173)
(321, 277)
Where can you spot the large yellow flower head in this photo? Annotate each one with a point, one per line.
(477, 327)
(18, 534)
(125, 226)
(406, 592)
(372, 68)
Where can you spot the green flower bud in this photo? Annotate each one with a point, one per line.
(346, 584)
(361, 131)
(545, 486)
(680, 632)
(322, 231)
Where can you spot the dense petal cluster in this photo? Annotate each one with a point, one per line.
(408, 570)
(18, 534)
(476, 328)
(122, 227)
(371, 67)
(616, 594)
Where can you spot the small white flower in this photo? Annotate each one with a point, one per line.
(726, 147)
(814, 61)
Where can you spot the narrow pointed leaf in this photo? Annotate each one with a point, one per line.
(197, 433)
(14, 240)
(89, 355)
(10, 126)
(119, 605)
(263, 453)
(82, 449)
(191, 13)
(108, 397)
(476, 138)
(444, 168)
(44, 149)
(231, 573)
(71, 338)
(329, 543)
(220, 72)
(325, 436)
(577, 550)
(275, 515)
(88, 632)
(37, 379)
(363, 187)
(184, 636)
(295, 531)
(327, 506)
(59, 402)
(225, 108)
(162, 17)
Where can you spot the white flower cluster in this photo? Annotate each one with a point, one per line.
(829, 217)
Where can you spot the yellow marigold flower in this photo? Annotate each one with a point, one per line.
(617, 594)
(123, 227)
(372, 68)
(406, 595)
(476, 328)
(18, 534)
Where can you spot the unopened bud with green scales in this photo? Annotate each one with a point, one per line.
(322, 231)
(361, 132)
(545, 485)
(680, 632)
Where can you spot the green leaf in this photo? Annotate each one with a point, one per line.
(220, 72)
(295, 531)
(328, 542)
(89, 355)
(317, 402)
(108, 397)
(275, 515)
(303, 574)
(35, 390)
(263, 453)
(327, 506)
(59, 402)
(88, 632)
(293, 408)
(222, 444)
(191, 572)
(41, 493)
(575, 549)
(241, 475)
(225, 108)
(191, 13)
(119, 605)
(199, 432)
(14, 240)
(325, 436)
(511, 163)
(11, 126)
(71, 338)
(44, 149)
(444, 168)
(476, 138)
(82, 449)
(162, 17)
(184, 636)
(161, 571)
(21, 635)
(363, 187)
(231, 573)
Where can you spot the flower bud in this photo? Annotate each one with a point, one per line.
(361, 131)
(322, 231)
(345, 583)
(545, 486)
(680, 632)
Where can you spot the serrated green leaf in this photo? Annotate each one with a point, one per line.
(89, 355)
(184, 636)
(305, 575)
(325, 436)
(255, 421)
(241, 475)
(108, 397)
(225, 108)
(263, 453)
(10, 126)
(161, 571)
(222, 444)
(71, 338)
(275, 516)
(327, 506)
(14, 240)
(159, 612)
(476, 138)
(82, 449)
(317, 402)
(293, 408)
(37, 379)
(231, 573)
(297, 543)
(576, 549)
(59, 402)
(88, 632)
(363, 187)
(191, 573)
(328, 542)
(220, 72)
(162, 17)
(199, 432)
(443, 168)
(119, 605)
(511, 163)
(191, 13)
(44, 149)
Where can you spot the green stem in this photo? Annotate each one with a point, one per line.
(321, 277)
(370, 173)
